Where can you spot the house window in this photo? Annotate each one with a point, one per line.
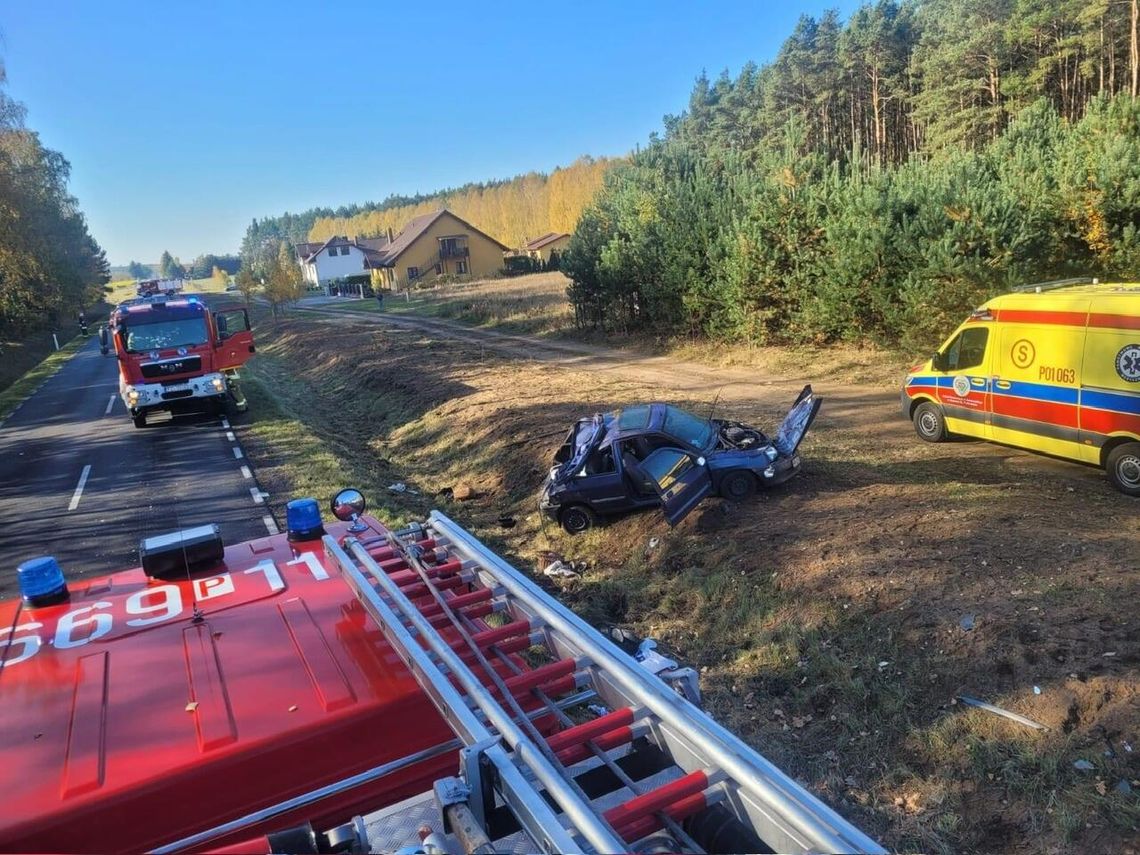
(332, 252)
(344, 250)
(461, 267)
(413, 273)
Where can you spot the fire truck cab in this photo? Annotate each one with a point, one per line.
(176, 355)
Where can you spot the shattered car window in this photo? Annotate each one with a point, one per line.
(683, 425)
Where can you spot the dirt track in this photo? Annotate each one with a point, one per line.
(829, 617)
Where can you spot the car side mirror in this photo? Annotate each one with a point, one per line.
(938, 361)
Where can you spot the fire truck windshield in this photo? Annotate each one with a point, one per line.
(187, 332)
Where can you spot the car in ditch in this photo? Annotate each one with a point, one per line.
(660, 455)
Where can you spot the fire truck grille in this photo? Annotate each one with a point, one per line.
(170, 367)
(177, 393)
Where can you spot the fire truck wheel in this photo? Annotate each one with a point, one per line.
(577, 519)
(1123, 468)
(929, 423)
(139, 420)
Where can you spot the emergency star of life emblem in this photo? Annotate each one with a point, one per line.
(1128, 363)
(962, 386)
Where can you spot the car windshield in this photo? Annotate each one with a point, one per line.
(165, 334)
(684, 426)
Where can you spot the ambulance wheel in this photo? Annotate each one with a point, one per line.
(139, 420)
(929, 423)
(1123, 468)
(577, 519)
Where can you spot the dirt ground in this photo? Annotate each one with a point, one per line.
(836, 619)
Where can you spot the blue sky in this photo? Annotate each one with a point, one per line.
(183, 120)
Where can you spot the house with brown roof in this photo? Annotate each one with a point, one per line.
(338, 258)
(436, 244)
(541, 248)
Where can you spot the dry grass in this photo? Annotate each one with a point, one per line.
(824, 616)
(534, 304)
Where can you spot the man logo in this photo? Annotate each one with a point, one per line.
(1128, 363)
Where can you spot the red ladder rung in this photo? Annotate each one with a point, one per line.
(605, 741)
(543, 674)
(459, 601)
(655, 800)
(678, 811)
(588, 730)
(501, 633)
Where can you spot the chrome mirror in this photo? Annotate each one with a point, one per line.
(349, 504)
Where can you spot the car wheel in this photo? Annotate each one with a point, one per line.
(929, 422)
(737, 485)
(577, 519)
(139, 420)
(1123, 468)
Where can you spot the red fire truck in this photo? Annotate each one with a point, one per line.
(359, 689)
(177, 355)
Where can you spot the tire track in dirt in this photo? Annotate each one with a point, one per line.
(681, 375)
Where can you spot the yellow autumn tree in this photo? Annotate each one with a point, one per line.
(512, 211)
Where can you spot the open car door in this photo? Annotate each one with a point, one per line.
(235, 338)
(681, 478)
(796, 423)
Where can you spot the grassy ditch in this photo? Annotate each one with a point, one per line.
(23, 385)
(828, 618)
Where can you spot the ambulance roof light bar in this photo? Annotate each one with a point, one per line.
(1054, 284)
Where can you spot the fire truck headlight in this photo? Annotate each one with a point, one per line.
(219, 384)
(132, 395)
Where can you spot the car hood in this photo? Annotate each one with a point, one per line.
(796, 423)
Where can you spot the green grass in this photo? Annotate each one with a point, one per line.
(25, 385)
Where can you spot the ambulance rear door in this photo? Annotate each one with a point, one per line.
(1110, 381)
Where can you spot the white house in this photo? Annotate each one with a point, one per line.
(338, 258)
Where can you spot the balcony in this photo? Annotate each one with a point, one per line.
(447, 250)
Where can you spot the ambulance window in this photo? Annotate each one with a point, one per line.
(968, 349)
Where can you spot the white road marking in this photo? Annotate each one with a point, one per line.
(245, 473)
(230, 436)
(270, 525)
(258, 496)
(110, 404)
(226, 424)
(237, 452)
(79, 488)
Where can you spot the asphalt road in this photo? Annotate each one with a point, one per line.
(139, 482)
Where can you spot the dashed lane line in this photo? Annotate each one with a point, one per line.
(230, 436)
(270, 525)
(79, 488)
(245, 473)
(110, 404)
(237, 453)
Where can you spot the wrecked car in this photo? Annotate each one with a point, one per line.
(659, 455)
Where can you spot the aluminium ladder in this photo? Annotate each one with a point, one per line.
(470, 628)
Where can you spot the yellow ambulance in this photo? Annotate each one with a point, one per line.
(1053, 368)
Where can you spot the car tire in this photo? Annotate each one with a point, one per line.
(577, 519)
(139, 420)
(929, 423)
(1123, 468)
(737, 485)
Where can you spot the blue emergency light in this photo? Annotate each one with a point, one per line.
(303, 520)
(42, 582)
